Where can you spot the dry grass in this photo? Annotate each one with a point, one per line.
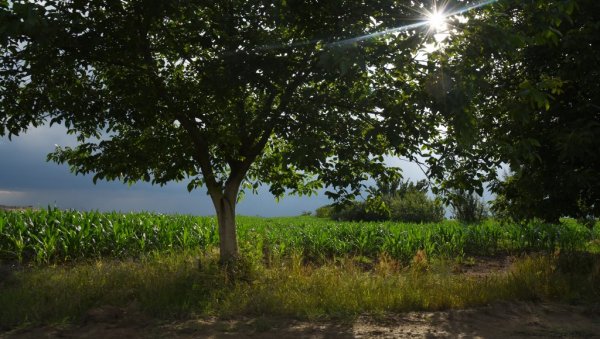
(184, 285)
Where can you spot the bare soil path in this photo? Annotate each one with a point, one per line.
(502, 320)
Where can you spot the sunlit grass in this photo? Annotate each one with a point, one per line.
(193, 284)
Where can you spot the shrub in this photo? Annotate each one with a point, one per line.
(358, 211)
(468, 207)
(324, 211)
(413, 206)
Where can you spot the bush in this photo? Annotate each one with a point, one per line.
(413, 206)
(467, 207)
(391, 199)
(324, 211)
(358, 211)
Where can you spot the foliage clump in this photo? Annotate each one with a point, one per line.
(391, 199)
(528, 85)
(324, 211)
(467, 207)
(519, 198)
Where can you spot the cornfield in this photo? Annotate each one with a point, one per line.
(54, 236)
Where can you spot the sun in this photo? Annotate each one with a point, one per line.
(437, 21)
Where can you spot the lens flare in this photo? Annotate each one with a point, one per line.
(437, 21)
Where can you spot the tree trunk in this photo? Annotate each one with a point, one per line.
(225, 207)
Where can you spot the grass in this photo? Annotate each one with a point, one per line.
(193, 284)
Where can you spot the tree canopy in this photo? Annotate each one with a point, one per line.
(225, 94)
(524, 77)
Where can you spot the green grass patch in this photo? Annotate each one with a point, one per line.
(192, 284)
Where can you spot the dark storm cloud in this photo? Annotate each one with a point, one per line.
(24, 165)
(27, 179)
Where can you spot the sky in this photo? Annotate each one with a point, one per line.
(26, 179)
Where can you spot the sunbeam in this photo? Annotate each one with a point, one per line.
(435, 18)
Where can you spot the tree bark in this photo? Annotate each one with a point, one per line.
(227, 229)
(225, 208)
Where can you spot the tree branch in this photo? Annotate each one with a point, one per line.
(202, 154)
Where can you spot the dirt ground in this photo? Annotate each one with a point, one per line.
(502, 320)
(15, 208)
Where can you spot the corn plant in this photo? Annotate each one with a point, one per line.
(52, 235)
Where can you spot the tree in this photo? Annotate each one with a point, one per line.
(518, 85)
(391, 185)
(227, 94)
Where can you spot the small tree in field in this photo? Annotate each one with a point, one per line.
(226, 94)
